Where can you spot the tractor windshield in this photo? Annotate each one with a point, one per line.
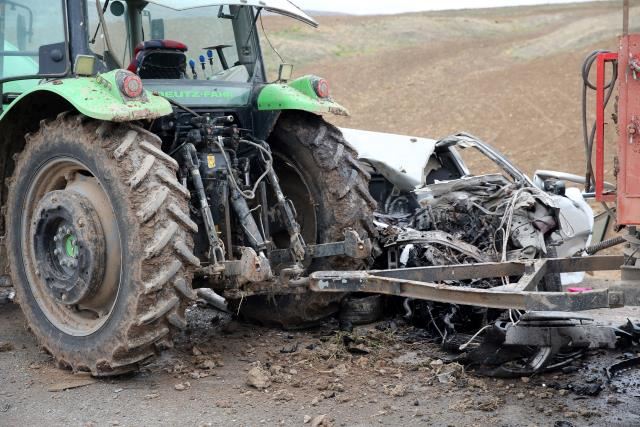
(157, 42)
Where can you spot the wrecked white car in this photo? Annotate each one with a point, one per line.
(434, 211)
(424, 186)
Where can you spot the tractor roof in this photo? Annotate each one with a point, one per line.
(282, 7)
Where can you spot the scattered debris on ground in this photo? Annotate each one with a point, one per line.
(405, 375)
(6, 346)
(73, 381)
(258, 378)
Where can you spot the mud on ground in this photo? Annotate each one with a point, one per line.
(223, 372)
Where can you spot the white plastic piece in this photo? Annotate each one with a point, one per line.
(404, 256)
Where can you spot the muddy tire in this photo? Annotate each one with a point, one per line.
(112, 297)
(319, 171)
(361, 310)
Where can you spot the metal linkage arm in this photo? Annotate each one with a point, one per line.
(352, 246)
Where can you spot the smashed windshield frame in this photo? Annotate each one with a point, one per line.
(222, 41)
(459, 144)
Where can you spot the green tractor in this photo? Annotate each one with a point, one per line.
(146, 157)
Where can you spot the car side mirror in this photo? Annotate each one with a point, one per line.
(558, 187)
(157, 29)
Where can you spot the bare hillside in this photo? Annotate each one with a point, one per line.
(510, 75)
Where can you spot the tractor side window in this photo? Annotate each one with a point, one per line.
(117, 31)
(32, 36)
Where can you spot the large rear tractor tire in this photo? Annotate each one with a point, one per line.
(99, 243)
(320, 173)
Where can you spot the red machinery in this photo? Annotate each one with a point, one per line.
(626, 75)
(628, 175)
(627, 165)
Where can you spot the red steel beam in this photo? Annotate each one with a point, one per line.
(601, 196)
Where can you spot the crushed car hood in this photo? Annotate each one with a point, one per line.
(399, 158)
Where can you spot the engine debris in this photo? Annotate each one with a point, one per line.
(539, 342)
(488, 218)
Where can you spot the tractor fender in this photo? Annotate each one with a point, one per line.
(98, 97)
(299, 94)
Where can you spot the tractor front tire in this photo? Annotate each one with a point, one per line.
(100, 243)
(320, 173)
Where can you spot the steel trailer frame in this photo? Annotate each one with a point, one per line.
(527, 293)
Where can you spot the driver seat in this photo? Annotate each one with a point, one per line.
(160, 59)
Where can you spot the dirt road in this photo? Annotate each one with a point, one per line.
(510, 76)
(392, 375)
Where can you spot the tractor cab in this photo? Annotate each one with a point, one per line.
(176, 40)
(197, 52)
(194, 40)
(33, 44)
(160, 40)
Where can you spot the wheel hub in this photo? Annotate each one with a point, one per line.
(69, 246)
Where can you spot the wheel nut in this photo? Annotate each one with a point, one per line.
(56, 251)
